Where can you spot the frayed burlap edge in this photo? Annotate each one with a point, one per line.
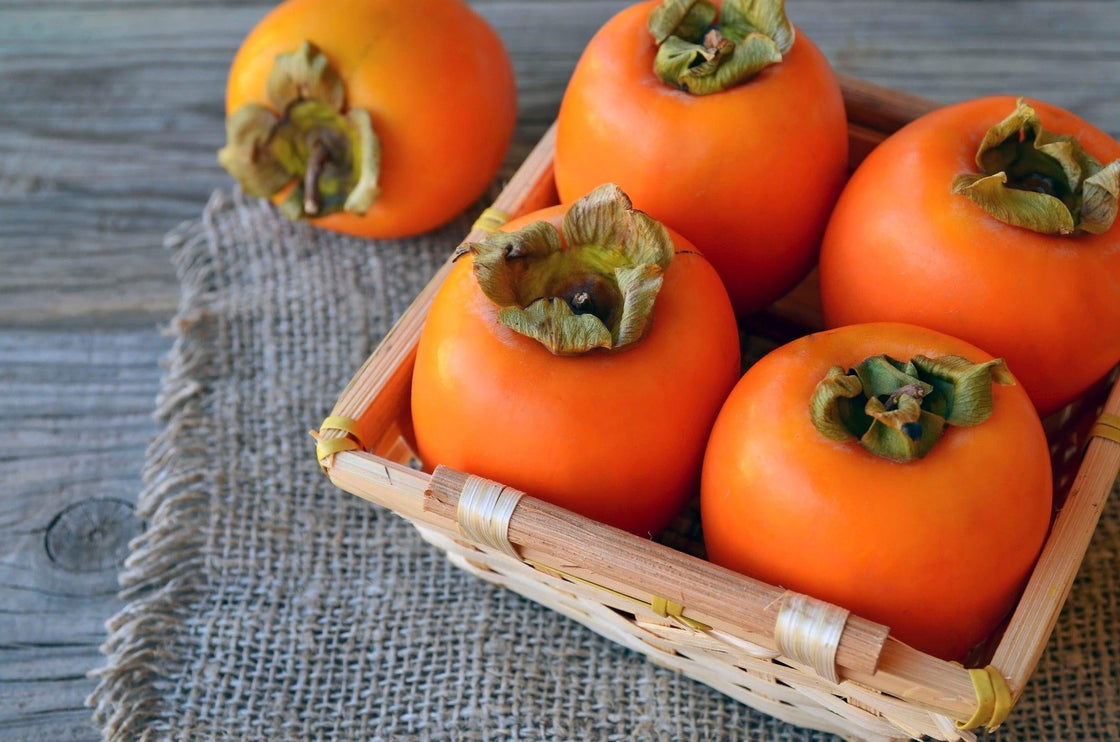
(164, 573)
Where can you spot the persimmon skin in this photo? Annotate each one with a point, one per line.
(937, 549)
(748, 175)
(615, 436)
(901, 247)
(438, 85)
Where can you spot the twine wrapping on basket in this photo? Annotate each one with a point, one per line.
(809, 630)
(484, 510)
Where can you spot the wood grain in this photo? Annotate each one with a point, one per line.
(75, 407)
(110, 115)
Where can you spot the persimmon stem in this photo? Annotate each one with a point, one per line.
(580, 301)
(713, 38)
(316, 161)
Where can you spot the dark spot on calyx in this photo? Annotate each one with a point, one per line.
(912, 430)
(1038, 183)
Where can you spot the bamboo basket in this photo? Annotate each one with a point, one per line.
(656, 597)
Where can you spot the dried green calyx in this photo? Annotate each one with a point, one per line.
(1030, 177)
(596, 290)
(307, 139)
(704, 50)
(899, 410)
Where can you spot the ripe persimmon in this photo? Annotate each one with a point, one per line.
(889, 469)
(379, 118)
(581, 355)
(994, 221)
(745, 161)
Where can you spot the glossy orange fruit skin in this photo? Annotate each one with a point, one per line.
(749, 175)
(616, 436)
(937, 549)
(901, 247)
(436, 80)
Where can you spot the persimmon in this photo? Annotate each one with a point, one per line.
(378, 118)
(994, 221)
(728, 128)
(580, 355)
(892, 470)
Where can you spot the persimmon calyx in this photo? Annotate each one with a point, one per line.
(704, 50)
(899, 410)
(308, 141)
(1033, 178)
(591, 285)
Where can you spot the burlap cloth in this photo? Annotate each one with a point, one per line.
(264, 604)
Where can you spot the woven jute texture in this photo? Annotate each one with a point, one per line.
(264, 604)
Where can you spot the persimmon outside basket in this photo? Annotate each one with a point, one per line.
(747, 639)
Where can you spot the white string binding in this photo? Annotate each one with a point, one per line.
(484, 510)
(808, 631)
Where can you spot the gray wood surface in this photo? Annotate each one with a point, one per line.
(110, 115)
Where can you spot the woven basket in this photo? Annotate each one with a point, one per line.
(738, 635)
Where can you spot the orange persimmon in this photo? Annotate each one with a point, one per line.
(914, 492)
(747, 173)
(581, 355)
(379, 118)
(988, 220)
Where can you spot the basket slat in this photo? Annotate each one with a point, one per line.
(1050, 582)
(873, 107)
(712, 594)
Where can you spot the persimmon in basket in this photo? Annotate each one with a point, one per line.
(378, 118)
(722, 121)
(892, 470)
(581, 354)
(993, 220)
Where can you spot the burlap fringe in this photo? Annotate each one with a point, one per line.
(165, 571)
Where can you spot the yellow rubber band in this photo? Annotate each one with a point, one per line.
(327, 448)
(335, 445)
(1003, 698)
(985, 699)
(490, 219)
(993, 699)
(1107, 426)
(339, 422)
(661, 606)
(669, 609)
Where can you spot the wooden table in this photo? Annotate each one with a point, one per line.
(110, 116)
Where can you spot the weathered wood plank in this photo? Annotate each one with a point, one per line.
(75, 418)
(112, 113)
